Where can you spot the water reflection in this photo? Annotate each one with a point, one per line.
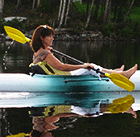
(53, 114)
(50, 120)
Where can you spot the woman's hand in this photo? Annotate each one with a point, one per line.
(49, 48)
(87, 66)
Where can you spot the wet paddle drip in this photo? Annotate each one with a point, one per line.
(4, 57)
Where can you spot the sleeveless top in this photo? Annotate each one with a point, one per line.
(39, 59)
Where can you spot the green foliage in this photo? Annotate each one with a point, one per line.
(48, 10)
(108, 29)
(135, 14)
(14, 23)
(80, 7)
(49, 6)
(78, 27)
(130, 29)
(127, 30)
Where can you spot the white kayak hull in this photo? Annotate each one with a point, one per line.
(51, 83)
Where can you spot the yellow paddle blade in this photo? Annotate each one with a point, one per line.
(121, 81)
(16, 35)
(121, 104)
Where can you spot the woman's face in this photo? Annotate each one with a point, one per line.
(47, 41)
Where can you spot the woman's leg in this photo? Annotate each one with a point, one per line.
(120, 69)
(92, 72)
(127, 73)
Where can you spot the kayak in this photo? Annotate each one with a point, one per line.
(117, 79)
(18, 82)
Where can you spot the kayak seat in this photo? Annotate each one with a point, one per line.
(36, 69)
(47, 69)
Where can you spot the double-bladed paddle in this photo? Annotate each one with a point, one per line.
(117, 79)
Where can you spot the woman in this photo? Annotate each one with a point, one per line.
(41, 44)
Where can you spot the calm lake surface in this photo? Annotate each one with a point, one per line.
(71, 120)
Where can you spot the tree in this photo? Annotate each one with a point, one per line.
(98, 3)
(106, 9)
(37, 5)
(60, 9)
(129, 10)
(62, 13)
(89, 14)
(68, 7)
(109, 12)
(87, 8)
(18, 3)
(33, 6)
(1, 7)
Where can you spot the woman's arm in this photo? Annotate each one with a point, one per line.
(55, 63)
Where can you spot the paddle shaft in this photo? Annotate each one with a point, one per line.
(75, 60)
(68, 57)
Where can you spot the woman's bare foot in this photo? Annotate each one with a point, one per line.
(129, 72)
(120, 69)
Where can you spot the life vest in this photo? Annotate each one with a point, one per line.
(50, 111)
(54, 110)
(45, 68)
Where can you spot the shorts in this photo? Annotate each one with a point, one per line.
(83, 71)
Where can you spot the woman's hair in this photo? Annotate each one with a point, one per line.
(41, 31)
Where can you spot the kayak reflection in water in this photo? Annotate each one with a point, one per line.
(41, 44)
(52, 114)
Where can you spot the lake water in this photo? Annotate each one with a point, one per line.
(69, 120)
